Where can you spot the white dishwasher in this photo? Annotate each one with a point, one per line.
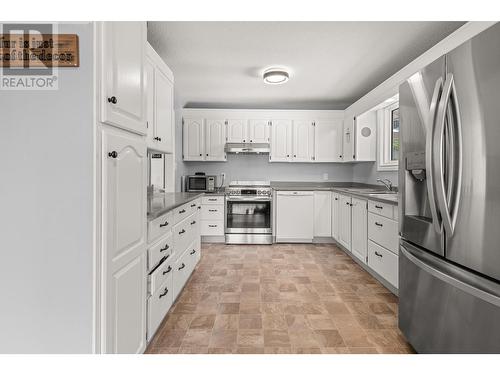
(295, 216)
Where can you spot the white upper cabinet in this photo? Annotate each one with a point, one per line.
(281, 140)
(360, 137)
(328, 140)
(335, 215)
(124, 250)
(215, 140)
(348, 139)
(193, 140)
(160, 102)
(123, 90)
(258, 131)
(322, 214)
(303, 140)
(345, 221)
(359, 245)
(236, 130)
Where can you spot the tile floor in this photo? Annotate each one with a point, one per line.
(280, 299)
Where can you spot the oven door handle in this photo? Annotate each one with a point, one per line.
(248, 199)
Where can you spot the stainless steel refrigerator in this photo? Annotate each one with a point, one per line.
(449, 178)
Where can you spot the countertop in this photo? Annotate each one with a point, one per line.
(364, 191)
(161, 203)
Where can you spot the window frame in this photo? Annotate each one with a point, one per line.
(384, 123)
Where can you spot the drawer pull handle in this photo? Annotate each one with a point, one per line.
(193, 205)
(199, 207)
(379, 207)
(378, 224)
(164, 293)
(182, 266)
(212, 225)
(164, 224)
(347, 203)
(192, 252)
(212, 199)
(182, 211)
(167, 270)
(165, 248)
(193, 222)
(212, 210)
(378, 254)
(182, 231)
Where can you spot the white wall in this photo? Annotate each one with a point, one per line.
(46, 220)
(368, 174)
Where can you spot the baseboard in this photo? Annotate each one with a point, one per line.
(213, 239)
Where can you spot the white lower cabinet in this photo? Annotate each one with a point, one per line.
(160, 301)
(345, 221)
(335, 215)
(212, 215)
(322, 214)
(359, 240)
(182, 270)
(383, 262)
(383, 231)
(295, 216)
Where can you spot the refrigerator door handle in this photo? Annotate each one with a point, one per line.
(429, 155)
(448, 199)
(463, 280)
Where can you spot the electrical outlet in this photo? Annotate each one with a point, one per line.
(325, 176)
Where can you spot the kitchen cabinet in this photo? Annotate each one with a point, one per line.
(212, 216)
(303, 140)
(215, 140)
(348, 140)
(359, 237)
(360, 137)
(160, 102)
(258, 131)
(322, 214)
(236, 130)
(122, 47)
(335, 215)
(281, 140)
(124, 250)
(193, 138)
(328, 140)
(295, 216)
(345, 221)
(384, 262)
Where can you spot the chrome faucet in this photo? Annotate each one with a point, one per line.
(386, 182)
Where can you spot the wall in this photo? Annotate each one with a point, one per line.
(368, 174)
(46, 221)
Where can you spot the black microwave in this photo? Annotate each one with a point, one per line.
(199, 183)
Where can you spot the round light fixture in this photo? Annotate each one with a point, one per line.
(275, 76)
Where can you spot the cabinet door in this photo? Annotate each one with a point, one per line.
(124, 165)
(164, 110)
(123, 92)
(348, 140)
(236, 131)
(328, 141)
(149, 81)
(322, 214)
(295, 216)
(303, 141)
(193, 142)
(335, 216)
(281, 140)
(359, 229)
(215, 140)
(258, 131)
(345, 222)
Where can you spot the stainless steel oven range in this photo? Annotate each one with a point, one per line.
(249, 213)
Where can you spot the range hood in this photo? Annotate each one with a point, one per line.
(247, 148)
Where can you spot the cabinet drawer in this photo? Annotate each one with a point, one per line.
(194, 253)
(160, 226)
(163, 248)
(212, 199)
(160, 275)
(185, 232)
(182, 212)
(158, 305)
(383, 231)
(182, 270)
(380, 208)
(212, 228)
(212, 212)
(383, 262)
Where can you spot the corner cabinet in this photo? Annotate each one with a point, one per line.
(124, 270)
(122, 99)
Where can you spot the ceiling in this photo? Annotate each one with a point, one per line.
(331, 64)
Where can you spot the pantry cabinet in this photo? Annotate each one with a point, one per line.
(328, 140)
(303, 140)
(193, 138)
(345, 221)
(121, 50)
(359, 228)
(281, 140)
(124, 160)
(322, 214)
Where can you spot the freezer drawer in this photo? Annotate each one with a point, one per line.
(444, 308)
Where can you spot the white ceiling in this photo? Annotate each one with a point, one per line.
(332, 64)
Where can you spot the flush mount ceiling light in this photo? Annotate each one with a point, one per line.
(275, 76)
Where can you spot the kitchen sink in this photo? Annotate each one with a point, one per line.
(392, 196)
